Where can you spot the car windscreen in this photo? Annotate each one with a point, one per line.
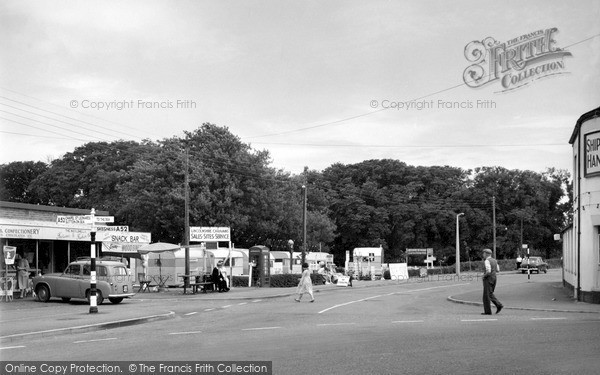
(120, 271)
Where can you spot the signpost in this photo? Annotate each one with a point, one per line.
(91, 219)
(214, 234)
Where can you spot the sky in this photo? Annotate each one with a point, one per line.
(315, 83)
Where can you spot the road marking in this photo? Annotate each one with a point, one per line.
(408, 321)
(257, 300)
(347, 303)
(478, 320)
(83, 341)
(12, 347)
(402, 292)
(185, 333)
(548, 318)
(334, 324)
(192, 313)
(259, 329)
(208, 309)
(226, 306)
(243, 303)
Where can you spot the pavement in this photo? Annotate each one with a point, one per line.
(27, 318)
(539, 293)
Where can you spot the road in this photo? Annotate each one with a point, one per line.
(393, 329)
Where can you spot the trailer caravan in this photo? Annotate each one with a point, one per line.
(171, 264)
(238, 260)
(368, 260)
(314, 261)
(281, 262)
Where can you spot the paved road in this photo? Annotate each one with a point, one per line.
(390, 329)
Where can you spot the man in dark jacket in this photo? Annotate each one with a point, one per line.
(218, 279)
(489, 283)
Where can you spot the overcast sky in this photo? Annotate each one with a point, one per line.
(305, 80)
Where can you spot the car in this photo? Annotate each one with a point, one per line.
(534, 264)
(112, 281)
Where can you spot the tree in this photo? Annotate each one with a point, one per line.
(16, 178)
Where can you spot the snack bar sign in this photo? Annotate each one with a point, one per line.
(210, 234)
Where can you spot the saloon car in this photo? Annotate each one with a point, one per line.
(534, 264)
(112, 281)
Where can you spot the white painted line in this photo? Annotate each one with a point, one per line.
(192, 313)
(408, 321)
(334, 324)
(208, 309)
(96, 340)
(259, 329)
(226, 306)
(185, 333)
(402, 292)
(243, 303)
(548, 318)
(257, 300)
(12, 347)
(347, 303)
(478, 320)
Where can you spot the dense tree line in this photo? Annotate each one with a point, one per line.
(372, 203)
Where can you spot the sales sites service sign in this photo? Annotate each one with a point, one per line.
(210, 234)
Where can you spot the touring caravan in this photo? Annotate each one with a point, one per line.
(367, 260)
(237, 260)
(169, 265)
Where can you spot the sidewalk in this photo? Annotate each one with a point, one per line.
(537, 294)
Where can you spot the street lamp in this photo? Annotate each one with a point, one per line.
(458, 246)
(291, 247)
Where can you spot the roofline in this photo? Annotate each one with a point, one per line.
(585, 117)
(39, 207)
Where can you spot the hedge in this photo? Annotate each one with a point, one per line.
(281, 280)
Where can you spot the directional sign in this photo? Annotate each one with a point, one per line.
(84, 219)
(114, 228)
(103, 219)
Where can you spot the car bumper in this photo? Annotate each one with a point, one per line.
(122, 295)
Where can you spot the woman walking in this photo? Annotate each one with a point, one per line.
(305, 284)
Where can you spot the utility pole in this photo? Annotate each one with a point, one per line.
(494, 224)
(186, 239)
(304, 188)
(458, 245)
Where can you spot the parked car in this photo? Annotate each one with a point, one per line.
(534, 264)
(112, 281)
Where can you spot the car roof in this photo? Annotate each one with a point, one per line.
(103, 262)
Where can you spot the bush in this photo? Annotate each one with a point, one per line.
(240, 281)
(289, 280)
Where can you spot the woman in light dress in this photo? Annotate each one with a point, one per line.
(305, 284)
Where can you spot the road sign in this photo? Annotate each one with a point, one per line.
(114, 228)
(126, 237)
(84, 219)
(77, 219)
(214, 234)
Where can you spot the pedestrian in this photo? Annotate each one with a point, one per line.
(305, 284)
(22, 266)
(489, 283)
(218, 279)
(519, 261)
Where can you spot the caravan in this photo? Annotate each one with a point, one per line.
(170, 265)
(367, 261)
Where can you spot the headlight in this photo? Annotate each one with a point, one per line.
(125, 288)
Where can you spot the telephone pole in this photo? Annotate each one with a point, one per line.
(304, 188)
(494, 223)
(186, 235)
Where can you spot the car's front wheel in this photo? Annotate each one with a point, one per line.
(115, 300)
(99, 298)
(43, 293)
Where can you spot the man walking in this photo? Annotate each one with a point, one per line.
(489, 283)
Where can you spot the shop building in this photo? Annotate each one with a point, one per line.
(581, 241)
(47, 245)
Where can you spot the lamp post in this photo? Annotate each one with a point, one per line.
(291, 247)
(304, 248)
(458, 246)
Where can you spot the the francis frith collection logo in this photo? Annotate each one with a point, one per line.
(514, 63)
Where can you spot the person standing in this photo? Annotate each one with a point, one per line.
(489, 283)
(519, 261)
(305, 284)
(22, 266)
